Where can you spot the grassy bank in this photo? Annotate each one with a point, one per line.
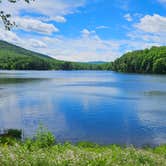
(43, 151)
(78, 155)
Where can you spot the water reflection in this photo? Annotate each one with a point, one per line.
(102, 107)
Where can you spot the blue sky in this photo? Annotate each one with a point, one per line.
(84, 30)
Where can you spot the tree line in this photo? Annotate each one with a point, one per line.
(151, 60)
(141, 61)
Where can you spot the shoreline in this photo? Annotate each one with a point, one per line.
(40, 152)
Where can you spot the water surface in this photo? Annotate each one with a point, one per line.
(99, 106)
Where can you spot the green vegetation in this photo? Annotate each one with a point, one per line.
(16, 58)
(13, 133)
(43, 150)
(143, 61)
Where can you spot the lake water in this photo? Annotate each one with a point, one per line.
(98, 106)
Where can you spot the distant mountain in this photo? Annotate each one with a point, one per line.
(13, 57)
(142, 61)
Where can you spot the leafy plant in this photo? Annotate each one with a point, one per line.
(44, 138)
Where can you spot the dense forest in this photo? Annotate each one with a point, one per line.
(16, 58)
(142, 61)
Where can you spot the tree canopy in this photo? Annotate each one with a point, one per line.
(142, 61)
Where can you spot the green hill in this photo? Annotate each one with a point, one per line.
(16, 58)
(142, 61)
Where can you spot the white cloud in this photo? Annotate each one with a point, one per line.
(53, 9)
(153, 39)
(87, 47)
(60, 19)
(128, 17)
(29, 24)
(28, 43)
(41, 11)
(152, 24)
(102, 27)
(37, 43)
(149, 31)
(8, 35)
(85, 32)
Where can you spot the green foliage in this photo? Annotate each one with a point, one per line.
(44, 138)
(160, 150)
(14, 133)
(10, 137)
(17, 58)
(6, 140)
(87, 145)
(19, 154)
(43, 151)
(144, 61)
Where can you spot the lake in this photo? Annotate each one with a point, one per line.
(98, 106)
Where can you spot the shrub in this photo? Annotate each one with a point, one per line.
(15, 133)
(44, 138)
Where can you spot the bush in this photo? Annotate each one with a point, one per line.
(11, 136)
(44, 138)
(15, 133)
(8, 140)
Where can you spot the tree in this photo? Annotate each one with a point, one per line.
(143, 61)
(6, 16)
(160, 66)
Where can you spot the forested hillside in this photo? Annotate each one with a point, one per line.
(142, 61)
(16, 58)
